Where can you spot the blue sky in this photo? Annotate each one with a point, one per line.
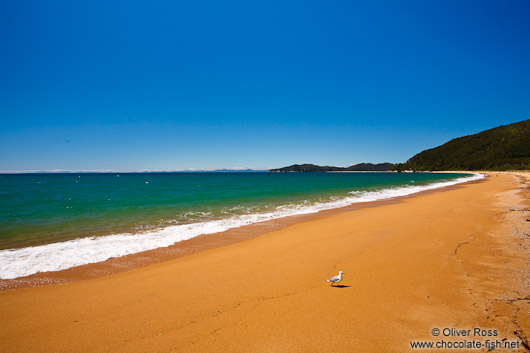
(163, 85)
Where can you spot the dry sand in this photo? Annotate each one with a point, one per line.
(452, 259)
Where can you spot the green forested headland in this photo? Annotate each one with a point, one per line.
(505, 147)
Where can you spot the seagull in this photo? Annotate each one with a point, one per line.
(336, 279)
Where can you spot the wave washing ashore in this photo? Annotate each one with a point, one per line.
(56, 222)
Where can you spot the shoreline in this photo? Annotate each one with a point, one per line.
(453, 259)
(195, 244)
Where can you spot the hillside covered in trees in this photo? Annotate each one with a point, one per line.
(505, 147)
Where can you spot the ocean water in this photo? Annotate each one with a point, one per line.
(51, 222)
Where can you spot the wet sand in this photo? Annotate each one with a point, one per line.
(455, 259)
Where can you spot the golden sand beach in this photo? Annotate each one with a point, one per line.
(455, 259)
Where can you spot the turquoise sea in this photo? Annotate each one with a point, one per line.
(74, 219)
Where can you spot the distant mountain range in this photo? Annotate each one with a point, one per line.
(505, 147)
(361, 167)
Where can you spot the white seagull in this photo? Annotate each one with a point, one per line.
(336, 279)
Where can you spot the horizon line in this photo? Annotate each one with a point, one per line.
(186, 170)
(109, 171)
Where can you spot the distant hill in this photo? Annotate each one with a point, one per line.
(501, 148)
(362, 167)
(369, 167)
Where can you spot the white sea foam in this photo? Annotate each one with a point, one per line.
(63, 255)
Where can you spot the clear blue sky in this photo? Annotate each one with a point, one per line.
(129, 85)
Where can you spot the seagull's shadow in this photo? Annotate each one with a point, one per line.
(341, 286)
